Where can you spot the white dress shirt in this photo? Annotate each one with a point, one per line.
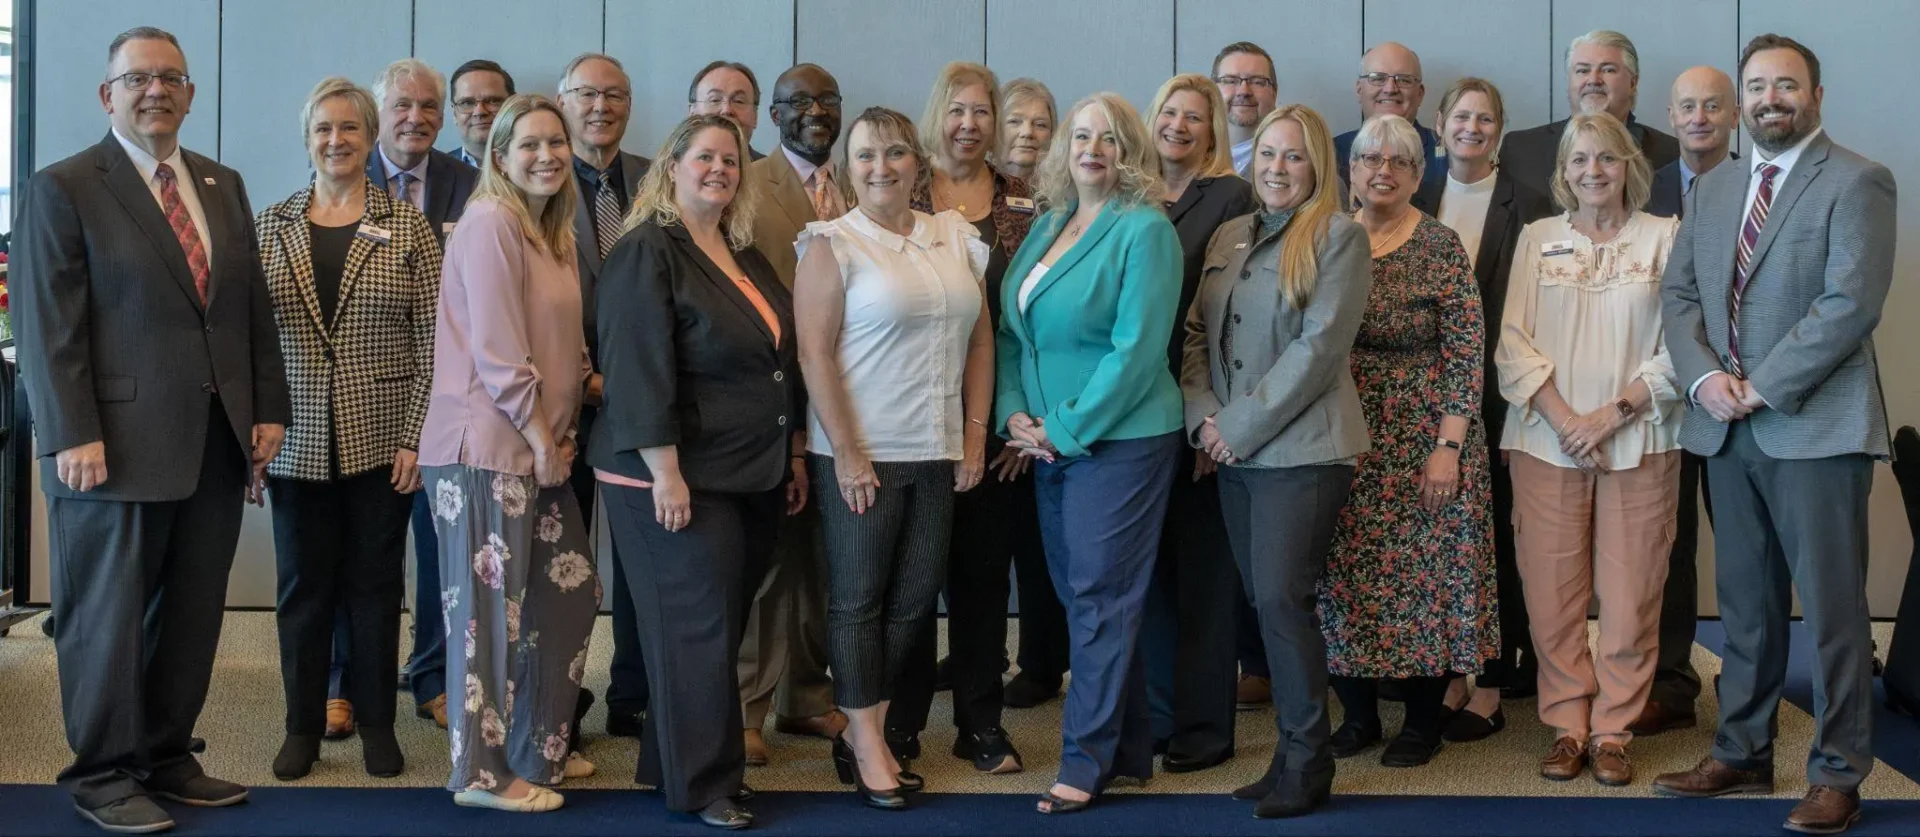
(1463, 208)
(910, 308)
(1242, 154)
(183, 180)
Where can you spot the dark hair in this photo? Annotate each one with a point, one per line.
(479, 65)
(694, 88)
(140, 33)
(1247, 47)
(1772, 41)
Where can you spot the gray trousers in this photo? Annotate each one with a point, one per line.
(1802, 525)
(520, 595)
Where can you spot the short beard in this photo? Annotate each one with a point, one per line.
(1774, 141)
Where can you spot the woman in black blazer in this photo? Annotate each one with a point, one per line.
(1194, 600)
(1487, 208)
(694, 451)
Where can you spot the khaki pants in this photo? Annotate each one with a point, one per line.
(1574, 535)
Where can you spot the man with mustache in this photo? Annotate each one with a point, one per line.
(1771, 296)
(479, 88)
(1390, 82)
(783, 658)
(1248, 85)
(1603, 74)
(1704, 113)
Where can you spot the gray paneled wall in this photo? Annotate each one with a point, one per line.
(254, 60)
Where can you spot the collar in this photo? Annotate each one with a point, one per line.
(393, 169)
(462, 155)
(922, 235)
(146, 162)
(587, 172)
(1268, 225)
(801, 165)
(1785, 159)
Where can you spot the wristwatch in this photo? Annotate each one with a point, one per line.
(1625, 407)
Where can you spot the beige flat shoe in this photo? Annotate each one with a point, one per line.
(537, 801)
(577, 767)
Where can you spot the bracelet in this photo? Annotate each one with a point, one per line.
(1445, 442)
(1563, 425)
(799, 458)
(977, 421)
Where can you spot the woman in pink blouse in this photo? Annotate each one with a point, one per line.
(510, 360)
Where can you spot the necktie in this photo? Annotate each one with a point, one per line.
(826, 203)
(606, 213)
(182, 223)
(1749, 236)
(403, 190)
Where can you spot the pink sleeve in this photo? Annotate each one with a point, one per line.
(485, 253)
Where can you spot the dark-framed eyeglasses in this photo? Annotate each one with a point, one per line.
(1381, 79)
(1255, 82)
(1376, 161)
(804, 103)
(490, 104)
(613, 96)
(142, 81)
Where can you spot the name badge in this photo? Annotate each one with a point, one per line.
(446, 229)
(373, 233)
(1555, 248)
(1241, 246)
(1439, 151)
(1024, 206)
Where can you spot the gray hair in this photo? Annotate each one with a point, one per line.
(1607, 38)
(1022, 89)
(584, 57)
(142, 33)
(1393, 136)
(407, 69)
(357, 96)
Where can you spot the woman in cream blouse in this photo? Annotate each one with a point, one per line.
(1592, 432)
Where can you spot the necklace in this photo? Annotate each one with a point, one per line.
(946, 195)
(1394, 239)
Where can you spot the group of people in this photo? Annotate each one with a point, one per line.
(1252, 411)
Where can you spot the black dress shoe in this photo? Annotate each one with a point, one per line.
(296, 758)
(1352, 739)
(743, 795)
(1182, 763)
(1466, 726)
(135, 814)
(847, 766)
(1050, 804)
(727, 813)
(201, 791)
(990, 750)
(381, 752)
(1296, 794)
(625, 724)
(1411, 748)
(1528, 686)
(1023, 692)
(905, 746)
(1259, 789)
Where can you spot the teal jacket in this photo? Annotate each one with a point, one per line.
(1089, 355)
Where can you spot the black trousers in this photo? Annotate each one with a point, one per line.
(1516, 667)
(1193, 608)
(1675, 683)
(340, 547)
(691, 590)
(139, 592)
(627, 687)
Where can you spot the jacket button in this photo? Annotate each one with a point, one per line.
(208, 389)
(209, 328)
(779, 376)
(1236, 318)
(1246, 274)
(783, 421)
(1236, 364)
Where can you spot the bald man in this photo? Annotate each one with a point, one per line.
(1704, 111)
(1390, 82)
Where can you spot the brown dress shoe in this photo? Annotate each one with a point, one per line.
(756, 749)
(434, 710)
(1253, 692)
(339, 719)
(1611, 767)
(1712, 777)
(1824, 810)
(827, 726)
(1657, 717)
(1565, 760)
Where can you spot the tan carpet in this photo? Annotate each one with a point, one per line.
(242, 725)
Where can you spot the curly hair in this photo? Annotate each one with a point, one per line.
(654, 200)
(1135, 164)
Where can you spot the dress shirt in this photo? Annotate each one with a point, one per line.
(589, 181)
(1686, 177)
(1242, 154)
(183, 181)
(1463, 208)
(508, 346)
(416, 191)
(802, 167)
(1589, 319)
(462, 155)
(911, 305)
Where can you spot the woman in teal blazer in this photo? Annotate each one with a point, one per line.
(1083, 387)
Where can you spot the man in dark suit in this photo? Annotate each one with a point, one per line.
(1770, 298)
(597, 99)
(153, 370)
(1390, 82)
(1603, 74)
(1704, 113)
(478, 89)
(728, 88)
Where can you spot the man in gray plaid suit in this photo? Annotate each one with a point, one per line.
(1772, 292)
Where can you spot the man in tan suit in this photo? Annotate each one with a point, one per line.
(783, 653)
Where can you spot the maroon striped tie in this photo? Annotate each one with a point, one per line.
(182, 224)
(1749, 236)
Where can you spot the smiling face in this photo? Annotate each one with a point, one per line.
(1598, 81)
(1703, 111)
(810, 131)
(1596, 174)
(597, 100)
(727, 92)
(884, 168)
(1025, 132)
(155, 111)
(1471, 130)
(410, 118)
(708, 176)
(477, 97)
(1282, 172)
(1183, 129)
(968, 124)
(538, 159)
(1400, 89)
(1383, 179)
(1253, 94)
(338, 140)
(1778, 100)
(1093, 148)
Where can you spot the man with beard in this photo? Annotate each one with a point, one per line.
(1603, 74)
(1245, 74)
(1390, 82)
(785, 644)
(1771, 295)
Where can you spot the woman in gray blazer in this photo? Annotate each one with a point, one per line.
(1270, 397)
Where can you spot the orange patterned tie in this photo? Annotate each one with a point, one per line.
(182, 223)
(826, 206)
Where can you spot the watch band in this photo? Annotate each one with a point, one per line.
(1445, 442)
(1625, 407)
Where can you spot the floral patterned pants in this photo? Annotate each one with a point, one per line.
(520, 598)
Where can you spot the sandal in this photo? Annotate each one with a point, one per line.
(1050, 804)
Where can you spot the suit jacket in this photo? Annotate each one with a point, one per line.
(1292, 400)
(784, 210)
(450, 183)
(689, 362)
(1208, 203)
(633, 167)
(361, 380)
(1086, 356)
(1512, 208)
(1529, 155)
(115, 345)
(1816, 282)
(1433, 180)
(1665, 202)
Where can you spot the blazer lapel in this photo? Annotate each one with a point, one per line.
(725, 285)
(1804, 171)
(123, 179)
(632, 170)
(788, 192)
(296, 241)
(379, 212)
(1098, 229)
(584, 238)
(1188, 200)
(1493, 233)
(211, 203)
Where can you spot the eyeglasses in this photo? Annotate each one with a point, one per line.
(489, 103)
(141, 81)
(1255, 82)
(1377, 161)
(804, 103)
(1380, 79)
(615, 96)
(740, 101)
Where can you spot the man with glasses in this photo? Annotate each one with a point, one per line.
(1245, 74)
(1603, 74)
(149, 353)
(597, 99)
(1390, 82)
(479, 88)
(729, 89)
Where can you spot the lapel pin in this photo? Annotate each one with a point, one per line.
(207, 180)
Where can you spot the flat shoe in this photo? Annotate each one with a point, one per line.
(538, 801)
(727, 813)
(1060, 805)
(577, 766)
(1466, 726)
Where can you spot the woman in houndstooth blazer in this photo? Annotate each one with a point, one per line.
(354, 277)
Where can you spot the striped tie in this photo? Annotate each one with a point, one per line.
(1749, 236)
(183, 229)
(606, 213)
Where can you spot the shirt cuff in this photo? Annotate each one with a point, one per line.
(1696, 385)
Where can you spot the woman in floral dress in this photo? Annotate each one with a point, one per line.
(1409, 590)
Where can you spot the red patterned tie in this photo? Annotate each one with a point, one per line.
(183, 230)
(1749, 236)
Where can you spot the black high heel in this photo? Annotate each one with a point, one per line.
(848, 767)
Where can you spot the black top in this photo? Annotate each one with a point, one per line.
(1207, 203)
(996, 265)
(1512, 207)
(330, 246)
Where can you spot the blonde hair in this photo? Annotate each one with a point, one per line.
(953, 78)
(1617, 141)
(1458, 91)
(358, 97)
(1021, 89)
(552, 232)
(655, 199)
(1135, 164)
(1220, 157)
(1299, 263)
(890, 125)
